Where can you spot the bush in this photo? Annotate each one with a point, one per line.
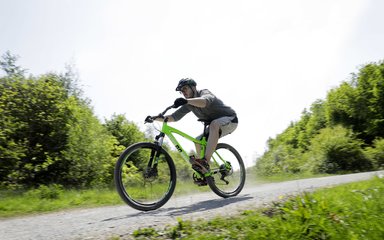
(376, 153)
(53, 191)
(281, 159)
(336, 150)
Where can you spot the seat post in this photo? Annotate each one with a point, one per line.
(206, 124)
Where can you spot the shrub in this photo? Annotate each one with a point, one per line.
(376, 153)
(53, 191)
(336, 150)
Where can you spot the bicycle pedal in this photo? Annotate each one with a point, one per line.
(199, 165)
(201, 183)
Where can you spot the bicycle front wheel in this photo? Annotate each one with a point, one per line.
(145, 176)
(228, 171)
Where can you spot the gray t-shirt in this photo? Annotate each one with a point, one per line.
(215, 108)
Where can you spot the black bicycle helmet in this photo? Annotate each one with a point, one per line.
(185, 81)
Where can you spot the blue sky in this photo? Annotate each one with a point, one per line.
(267, 59)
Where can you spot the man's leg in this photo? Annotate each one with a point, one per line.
(198, 149)
(214, 134)
(218, 128)
(202, 165)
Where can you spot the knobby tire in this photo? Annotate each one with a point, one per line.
(133, 184)
(236, 178)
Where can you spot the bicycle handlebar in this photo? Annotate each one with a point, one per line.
(166, 110)
(150, 119)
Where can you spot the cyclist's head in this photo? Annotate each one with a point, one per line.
(185, 82)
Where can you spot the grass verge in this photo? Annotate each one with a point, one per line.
(48, 199)
(351, 211)
(54, 198)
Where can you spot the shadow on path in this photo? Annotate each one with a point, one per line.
(197, 207)
(206, 205)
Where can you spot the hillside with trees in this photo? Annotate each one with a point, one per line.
(342, 133)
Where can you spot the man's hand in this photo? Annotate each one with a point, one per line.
(148, 119)
(179, 102)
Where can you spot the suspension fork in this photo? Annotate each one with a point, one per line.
(155, 153)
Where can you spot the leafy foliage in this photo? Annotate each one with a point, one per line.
(9, 66)
(334, 150)
(49, 133)
(87, 158)
(125, 132)
(34, 122)
(338, 134)
(376, 153)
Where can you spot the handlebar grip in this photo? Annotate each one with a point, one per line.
(149, 119)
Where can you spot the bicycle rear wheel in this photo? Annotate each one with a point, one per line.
(145, 177)
(228, 171)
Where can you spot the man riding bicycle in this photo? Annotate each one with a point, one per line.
(222, 119)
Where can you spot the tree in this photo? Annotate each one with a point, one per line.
(282, 158)
(340, 106)
(332, 135)
(49, 133)
(34, 130)
(370, 100)
(9, 66)
(359, 103)
(88, 158)
(124, 131)
(317, 119)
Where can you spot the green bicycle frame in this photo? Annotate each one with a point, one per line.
(169, 131)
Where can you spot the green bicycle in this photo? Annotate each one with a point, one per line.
(145, 174)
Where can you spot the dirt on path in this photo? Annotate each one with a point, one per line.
(121, 221)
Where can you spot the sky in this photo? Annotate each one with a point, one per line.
(267, 59)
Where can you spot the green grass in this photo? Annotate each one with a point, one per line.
(47, 200)
(54, 198)
(351, 211)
